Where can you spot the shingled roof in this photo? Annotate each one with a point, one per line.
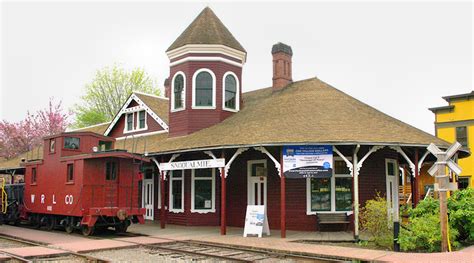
(307, 111)
(207, 28)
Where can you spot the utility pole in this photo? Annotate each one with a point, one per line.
(442, 185)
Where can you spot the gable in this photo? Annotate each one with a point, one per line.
(132, 107)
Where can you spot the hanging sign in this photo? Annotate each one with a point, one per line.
(256, 222)
(196, 164)
(307, 161)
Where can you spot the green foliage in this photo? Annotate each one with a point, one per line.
(423, 232)
(374, 221)
(461, 214)
(107, 92)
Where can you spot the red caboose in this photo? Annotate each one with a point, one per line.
(81, 183)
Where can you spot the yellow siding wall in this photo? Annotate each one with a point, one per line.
(463, 111)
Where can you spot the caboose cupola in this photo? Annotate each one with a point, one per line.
(205, 75)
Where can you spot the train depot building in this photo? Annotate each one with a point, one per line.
(306, 151)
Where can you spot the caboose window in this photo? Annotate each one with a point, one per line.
(70, 172)
(33, 175)
(110, 170)
(52, 145)
(203, 190)
(71, 143)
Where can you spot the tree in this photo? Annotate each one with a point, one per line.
(108, 91)
(19, 137)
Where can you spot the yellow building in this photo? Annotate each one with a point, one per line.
(455, 122)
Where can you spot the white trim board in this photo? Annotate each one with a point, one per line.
(142, 106)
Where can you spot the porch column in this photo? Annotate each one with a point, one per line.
(355, 174)
(416, 194)
(223, 200)
(282, 198)
(163, 209)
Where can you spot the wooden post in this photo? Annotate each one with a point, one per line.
(355, 176)
(416, 178)
(442, 180)
(282, 198)
(163, 209)
(223, 200)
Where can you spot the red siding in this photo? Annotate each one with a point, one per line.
(189, 120)
(371, 180)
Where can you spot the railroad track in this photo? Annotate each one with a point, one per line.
(204, 250)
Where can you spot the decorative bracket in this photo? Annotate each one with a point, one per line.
(277, 164)
(361, 162)
(210, 154)
(403, 154)
(227, 165)
(348, 163)
(422, 159)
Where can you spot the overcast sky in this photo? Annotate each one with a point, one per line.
(397, 57)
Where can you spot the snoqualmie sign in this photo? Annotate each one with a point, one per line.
(197, 164)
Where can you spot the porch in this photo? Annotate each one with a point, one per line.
(234, 234)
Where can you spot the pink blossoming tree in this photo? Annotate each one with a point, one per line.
(19, 137)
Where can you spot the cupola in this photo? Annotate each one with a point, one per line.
(205, 79)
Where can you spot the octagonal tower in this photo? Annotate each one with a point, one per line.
(205, 79)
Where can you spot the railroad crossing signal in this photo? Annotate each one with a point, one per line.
(444, 158)
(443, 185)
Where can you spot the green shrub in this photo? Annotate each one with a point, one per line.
(423, 233)
(373, 219)
(461, 214)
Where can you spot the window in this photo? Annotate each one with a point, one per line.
(52, 145)
(105, 146)
(72, 143)
(463, 182)
(110, 170)
(231, 90)
(332, 194)
(461, 135)
(391, 168)
(142, 120)
(203, 191)
(33, 175)
(204, 89)
(129, 121)
(178, 94)
(320, 194)
(70, 172)
(176, 191)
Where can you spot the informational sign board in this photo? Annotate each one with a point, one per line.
(196, 164)
(256, 222)
(307, 161)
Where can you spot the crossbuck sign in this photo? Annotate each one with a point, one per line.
(443, 160)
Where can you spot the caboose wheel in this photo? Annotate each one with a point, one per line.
(51, 223)
(87, 230)
(121, 228)
(69, 228)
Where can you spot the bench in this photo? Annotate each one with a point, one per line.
(333, 218)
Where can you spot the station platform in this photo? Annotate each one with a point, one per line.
(58, 242)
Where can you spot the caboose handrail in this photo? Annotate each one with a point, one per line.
(4, 197)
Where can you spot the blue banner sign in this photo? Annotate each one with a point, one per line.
(314, 161)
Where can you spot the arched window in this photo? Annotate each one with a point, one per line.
(231, 92)
(178, 91)
(204, 89)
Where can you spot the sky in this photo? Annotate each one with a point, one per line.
(399, 57)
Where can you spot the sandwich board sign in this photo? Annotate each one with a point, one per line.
(256, 222)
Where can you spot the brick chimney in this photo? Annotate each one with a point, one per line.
(282, 54)
(167, 88)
